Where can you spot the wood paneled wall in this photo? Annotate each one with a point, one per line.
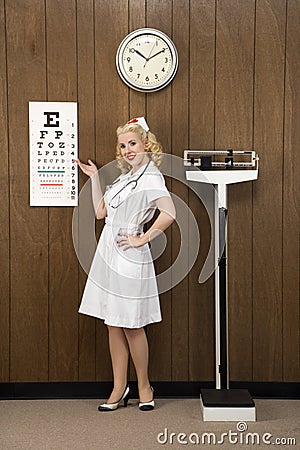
(237, 87)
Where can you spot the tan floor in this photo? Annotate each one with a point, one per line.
(77, 425)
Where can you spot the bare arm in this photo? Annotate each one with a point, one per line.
(91, 170)
(166, 217)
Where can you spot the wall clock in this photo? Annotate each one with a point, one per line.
(147, 60)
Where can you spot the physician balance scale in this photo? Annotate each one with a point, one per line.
(220, 168)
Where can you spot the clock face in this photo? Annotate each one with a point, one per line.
(147, 60)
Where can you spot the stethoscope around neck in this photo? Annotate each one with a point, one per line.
(116, 197)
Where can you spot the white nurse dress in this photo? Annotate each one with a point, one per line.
(121, 287)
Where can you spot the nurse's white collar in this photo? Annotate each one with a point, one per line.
(140, 169)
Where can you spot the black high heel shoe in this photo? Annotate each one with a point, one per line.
(147, 406)
(114, 406)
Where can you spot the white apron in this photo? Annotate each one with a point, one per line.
(121, 287)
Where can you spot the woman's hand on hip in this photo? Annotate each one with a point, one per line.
(126, 241)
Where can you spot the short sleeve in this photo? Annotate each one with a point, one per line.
(155, 186)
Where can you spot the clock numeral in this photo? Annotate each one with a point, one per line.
(166, 60)
(130, 69)
(147, 78)
(138, 75)
(128, 59)
(156, 76)
(163, 69)
(131, 50)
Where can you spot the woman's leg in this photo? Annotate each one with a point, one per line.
(139, 350)
(119, 353)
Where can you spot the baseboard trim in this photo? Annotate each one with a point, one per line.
(163, 389)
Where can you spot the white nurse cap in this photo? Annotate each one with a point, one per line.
(140, 121)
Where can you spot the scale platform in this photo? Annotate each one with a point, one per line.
(227, 405)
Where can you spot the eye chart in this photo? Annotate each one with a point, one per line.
(53, 138)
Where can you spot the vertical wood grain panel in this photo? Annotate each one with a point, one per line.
(234, 112)
(86, 103)
(25, 24)
(63, 270)
(137, 19)
(67, 50)
(159, 120)
(180, 137)
(267, 208)
(111, 111)
(4, 210)
(137, 100)
(291, 164)
(201, 118)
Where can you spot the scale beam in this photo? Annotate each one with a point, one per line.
(213, 172)
(205, 159)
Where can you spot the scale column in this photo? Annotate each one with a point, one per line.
(221, 307)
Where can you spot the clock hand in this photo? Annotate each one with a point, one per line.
(139, 53)
(157, 53)
(147, 59)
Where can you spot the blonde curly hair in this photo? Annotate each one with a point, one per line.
(152, 145)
